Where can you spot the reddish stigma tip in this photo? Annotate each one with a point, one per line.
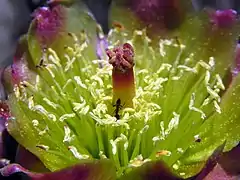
(121, 57)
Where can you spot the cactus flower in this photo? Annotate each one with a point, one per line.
(153, 101)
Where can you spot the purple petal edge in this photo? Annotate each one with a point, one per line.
(94, 170)
(14, 168)
(102, 45)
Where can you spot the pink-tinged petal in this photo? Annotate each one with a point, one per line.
(29, 161)
(98, 170)
(211, 163)
(218, 173)
(11, 169)
(151, 170)
(162, 13)
(223, 18)
(222, 166)
(49, 23)
(230, 161)
(20, 71)
(228, 167)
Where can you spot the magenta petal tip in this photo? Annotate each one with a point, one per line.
(223, 18)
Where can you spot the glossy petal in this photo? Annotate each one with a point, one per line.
(28, 160)
(98, 170)
(151, 170)
(227, 167)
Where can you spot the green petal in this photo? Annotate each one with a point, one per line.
(217, 129)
